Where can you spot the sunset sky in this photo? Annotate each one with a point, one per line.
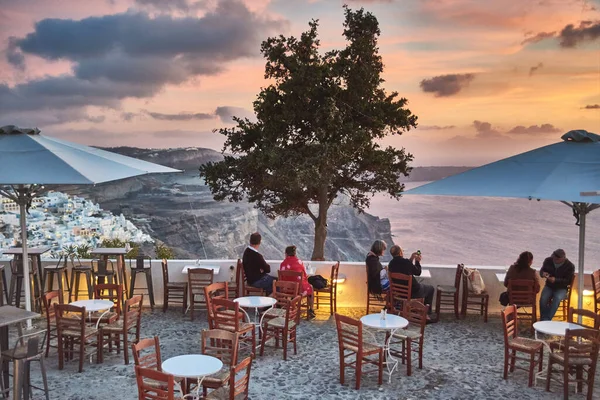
(487, 79)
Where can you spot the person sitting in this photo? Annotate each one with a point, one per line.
(559, 273)
(521, 269)
(293, 263)
(411, 266)
(255, 267)
(374, 267)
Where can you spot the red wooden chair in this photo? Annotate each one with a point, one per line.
(283, 328)
(329, 293)
(238, 383)
(154, 385)
(448, 295)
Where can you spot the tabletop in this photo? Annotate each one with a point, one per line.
(390, 322)
(192, 365)
(94, 304)
(425, 273)
(109, 251)
(557, 328)
(30, 250)
(215, 268)
(11, 315)
(255, 301)
(500, 277)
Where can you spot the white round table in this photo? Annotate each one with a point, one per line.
(195, 366)
(256, 302)
(557, 328)
(93, 305)
(391, 323)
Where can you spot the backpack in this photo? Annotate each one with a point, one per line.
(317, 281)
(474, 279)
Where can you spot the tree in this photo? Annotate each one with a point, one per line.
(317, 129)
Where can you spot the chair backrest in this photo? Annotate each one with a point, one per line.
(217, 290)
(221, 344)
(581, 347)
(154, 385)
(100, 266)
(589, 319)
(416, 313)
(290, 276)
(32, 343)
(521, 292)
(132, 312)
(165, 272)
(16, 267)
(240, 385)
(226, 314)
(292, 312)
(284, 292)
(112, 292)
(596, 287)
(49, 299)
(400, 289)
(198, 278)
(458, 276)
(69, 317)
(143, 261)
(149, 359)
(240, 275)
(350, 335)
(510, 323)
(333, 277)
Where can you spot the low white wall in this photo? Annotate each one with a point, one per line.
(351, 293)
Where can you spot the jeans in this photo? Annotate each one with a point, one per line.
(550, 301)
(426, 292)
(265, 282)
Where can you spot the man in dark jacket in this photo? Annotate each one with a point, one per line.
(255, 267)
(559, 273)
(405, 266)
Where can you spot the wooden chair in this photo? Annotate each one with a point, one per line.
(283, 292)
(448, 295)
(400, 291)
(72, 329)
(589, 320)
(129, 324)
(150, 359)
(227, 316)
(351, 344)
(329, 293)
(224, 346)
(283, 328)
(238, 388)
(154, 385)
(596, 287)
(246, 289)
(513, 344)
(112, 292)
(473, 301)
(217, 290)
(234, 284)
(49, 299)
(295, 276)
(198, 279)
(521, 293)
(177, 291)
(563, 309)
(377, 300)
(411, 338)
(580, 354)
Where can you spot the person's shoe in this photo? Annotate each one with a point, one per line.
(311, 314)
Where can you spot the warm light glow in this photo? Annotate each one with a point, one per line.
(340, 279)
(588, 293)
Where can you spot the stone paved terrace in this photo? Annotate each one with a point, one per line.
(462, 360)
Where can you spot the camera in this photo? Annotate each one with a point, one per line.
(419, 252)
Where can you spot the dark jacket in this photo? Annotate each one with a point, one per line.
(255, 266)
(563, 274)
(526, 274)
(374, 267)
(401, 265)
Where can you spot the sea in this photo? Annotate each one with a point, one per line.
(485, 230)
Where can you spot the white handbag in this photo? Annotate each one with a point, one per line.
(475, 280)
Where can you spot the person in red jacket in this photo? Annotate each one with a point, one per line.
(293, 263)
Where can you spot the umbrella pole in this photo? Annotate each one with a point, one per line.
(26, 277)
(581, 274)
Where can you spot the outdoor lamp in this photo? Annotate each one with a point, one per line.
(340, 279)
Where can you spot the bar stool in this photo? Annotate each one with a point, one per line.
(3, 289)
(60, 270)
(146, 268)
(76, 271)
(101, 273)
(16, 284)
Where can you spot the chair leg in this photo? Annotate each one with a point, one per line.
(166, 300)
(358, 371)
(262, 342)
(77, 279)
(408, 356)
(505, 375)
(456, 305)
(284, 339)
(90, 284)
(531, 367)
(342, 366)
(513, 359)
(132, 286)
(380, 377)
(125, 348)
(44, 378)
(485, 315)
(81, 353)
(150, 287)
(549, 375)
(438, 299)
(566, 382)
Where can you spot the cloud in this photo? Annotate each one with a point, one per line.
(42, 119)
(446, 85)
(132, 55)
(587, 31)
(172, 5)
(128, 116)
(183, 116)
(535, 68)
(13, 56)
(435, 127)
(226, 113)
(485, 130)
(592, 107)
(534, 129)
(539, 37)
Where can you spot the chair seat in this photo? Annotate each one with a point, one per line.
(326, 289)
(115, 327)
(368, 348)
(446, 288)
(176, 285)
(219, 394)
(407, 333)
(279, 322)
(577, 361)
(76, 332)
(482, 294)
(82, 268)
(108, 318)
(218, 379)
(16, 354)
(55, 268)
(525, 344)
(244, 326)
(275, 312)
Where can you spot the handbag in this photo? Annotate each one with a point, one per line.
(475, 280)
(504, 299)
(317, 281)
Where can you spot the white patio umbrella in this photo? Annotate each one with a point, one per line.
(568, 171)
(29, 160)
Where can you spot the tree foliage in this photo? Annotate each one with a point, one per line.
(317, 130)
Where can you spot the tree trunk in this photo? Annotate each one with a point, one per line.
(321, 229)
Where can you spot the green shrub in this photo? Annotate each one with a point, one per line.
(163, 251)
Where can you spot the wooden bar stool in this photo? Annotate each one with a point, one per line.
(60, 270)
(16, 284)
(142, 267)
(76, 271)
(3, 289)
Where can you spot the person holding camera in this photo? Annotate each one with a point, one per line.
(559, 273)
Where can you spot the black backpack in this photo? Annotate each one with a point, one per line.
(317, 281)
